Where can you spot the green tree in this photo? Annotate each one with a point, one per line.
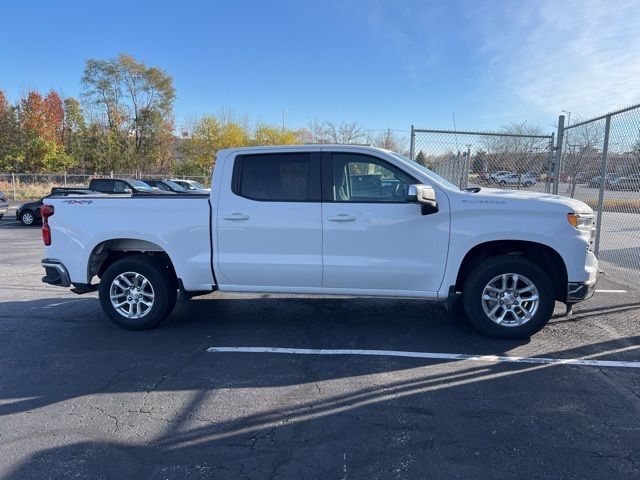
(270, 135)
(9, 135)
(73, 129)
(135, 103)
(210, 134)
(421, 158)
(54, 158)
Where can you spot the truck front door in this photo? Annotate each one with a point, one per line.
(373, 238)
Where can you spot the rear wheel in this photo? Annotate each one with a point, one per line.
(508, 297)
(138, 292)
(28, 218)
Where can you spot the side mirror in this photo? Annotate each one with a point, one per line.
(127, 190)
(425, 195)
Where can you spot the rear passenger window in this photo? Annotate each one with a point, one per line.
(120, 187)
(287, 177)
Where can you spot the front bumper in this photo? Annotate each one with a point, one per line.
(3, 208)
(579, 291)
(55, 273)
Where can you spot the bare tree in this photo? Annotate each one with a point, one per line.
(343, 133)
(582, 151)
(387, 139)
(518, 154)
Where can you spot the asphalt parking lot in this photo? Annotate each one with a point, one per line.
(82, 398)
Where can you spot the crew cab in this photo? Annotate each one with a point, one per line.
(327, 219)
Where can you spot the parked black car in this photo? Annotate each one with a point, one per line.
(29, 213)
(168, 186)
(121, 185)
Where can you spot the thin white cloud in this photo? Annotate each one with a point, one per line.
(404, 29)
(576, 55)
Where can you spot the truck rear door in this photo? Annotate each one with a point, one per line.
(269, 221)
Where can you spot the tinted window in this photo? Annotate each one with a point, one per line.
(102, 185)
(160, 185)
(276, 177)
(361, 178)
(120, 187)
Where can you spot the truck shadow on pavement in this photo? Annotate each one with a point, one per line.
(109, 403)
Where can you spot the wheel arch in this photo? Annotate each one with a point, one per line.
(543, 255)
(107, 252)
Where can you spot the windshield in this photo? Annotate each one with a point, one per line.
(140, 185)
(197, 184)
(430, 173)
(174, 185)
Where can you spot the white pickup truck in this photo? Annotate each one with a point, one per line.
(326, 219)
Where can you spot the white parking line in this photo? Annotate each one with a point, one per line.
(65, 302)
(435, 356)
(611, 291)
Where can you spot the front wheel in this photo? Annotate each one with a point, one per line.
(138, 292)
(508, 297)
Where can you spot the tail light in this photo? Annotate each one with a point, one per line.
(46, 211)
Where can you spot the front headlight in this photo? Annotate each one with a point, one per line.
(581, 221)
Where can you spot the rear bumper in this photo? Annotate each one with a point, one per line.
(579, 291)
(55, 273)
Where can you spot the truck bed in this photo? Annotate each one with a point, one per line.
(178, 224)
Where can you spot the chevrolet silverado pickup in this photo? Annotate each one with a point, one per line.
(326, 219)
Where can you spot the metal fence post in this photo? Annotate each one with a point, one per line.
(603, 181)
(558, 157)
(547, 183)
(412, 145)
(13, 184)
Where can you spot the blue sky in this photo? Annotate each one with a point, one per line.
(381, 63)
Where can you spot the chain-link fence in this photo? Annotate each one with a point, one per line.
(27, 186)
(600, 165)
(598, 162)
(468, 159)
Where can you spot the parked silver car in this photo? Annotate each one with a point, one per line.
(632, 182)
(525, 180)
(192, 186)
(4, 204)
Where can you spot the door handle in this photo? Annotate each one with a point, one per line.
(343, 217)
(236, 216)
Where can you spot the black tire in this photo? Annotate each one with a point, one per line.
(162, 280)
(28, 218)
(493, 267)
